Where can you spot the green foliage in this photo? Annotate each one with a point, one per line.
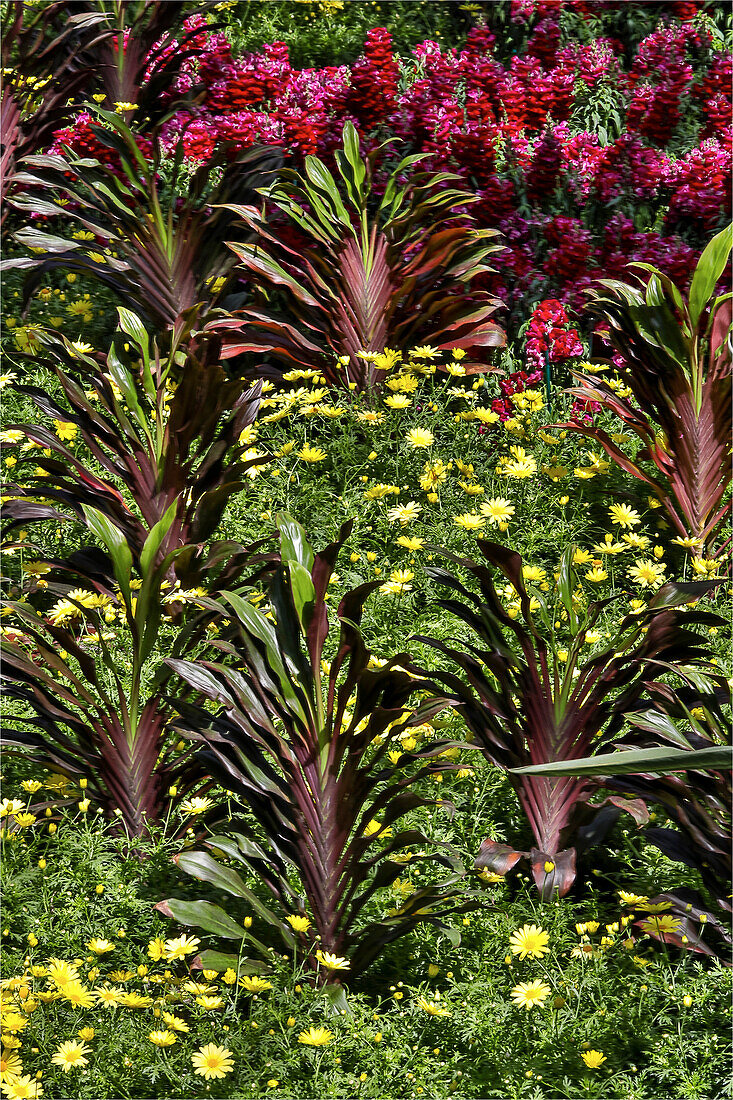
(659, 1017)
(324, 32)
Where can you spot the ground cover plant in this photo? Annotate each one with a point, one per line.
(366, 571)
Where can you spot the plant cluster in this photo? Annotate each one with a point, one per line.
(186, 675)
(570, 202)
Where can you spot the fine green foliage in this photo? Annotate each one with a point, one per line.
(659, 1017)
(306, 748)
(364, 280)
(678, 367)
(529, 698)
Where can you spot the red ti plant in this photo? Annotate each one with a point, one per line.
(134, 56)
(155, 460)
(159, 428)
(38, 91)
(305, 745)
(162, 254)
(684, 767)
(677, 365)
(77, 679)
(525, 705)
(361, 274)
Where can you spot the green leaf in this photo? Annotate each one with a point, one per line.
(155, 538)
(202, 866)
(217, 960)
(202, 914)
(659, 761)
(709, 268)
(337, 1000)
(133, 327)
(294, 545)
(304, 593)
(116, 544)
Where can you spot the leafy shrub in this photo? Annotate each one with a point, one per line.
(364, 281)
(677, 368)
(162, 253)
(529, 698)
(308, 747)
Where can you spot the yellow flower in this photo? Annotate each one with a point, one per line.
(332, 962)
(635, 540)
(398, 401)
(70, 1055)
(135, 1000)
(298, 923)
(608, 546)
(211, 1004)
(624, 516)
(434, 473)
(24, 820)
(196, 805)
(469, 521)
(705, 567)
(432, 1008)
(647, 573)
(490, 876)
(497, 510)
(486, 416)
(420, 437)
(212, 1061)
(521, 468)
(100, 947)
(312, 454)
(529, 940)
(404, 513)
(108, 995)
(65, 430)
(660, 924)
(411, 543)
(255, 984)
(596, 575)
(378, 491)
(156, 949)
(316, 1037)
(12, 806)
(632, 900)
(162, 1038)
(180, 947)
(77, 994)
(23, 1088)
(10, 1066)
(528, 994)
(593, 1059)
(175, 1023)
(687, 543)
